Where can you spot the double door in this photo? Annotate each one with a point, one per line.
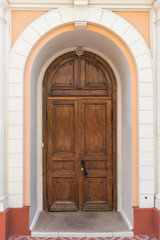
(79, 153)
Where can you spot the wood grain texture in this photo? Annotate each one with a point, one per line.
(62, 131)
(79, 123)
(96, 142)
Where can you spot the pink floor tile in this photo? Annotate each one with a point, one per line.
(141, 237)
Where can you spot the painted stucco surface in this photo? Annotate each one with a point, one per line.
(20, 20)
(140, 20)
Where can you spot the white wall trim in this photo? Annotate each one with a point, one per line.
(126, 220)
(127, 4)
(35, 219)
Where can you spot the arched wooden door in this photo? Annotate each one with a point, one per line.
(79, 134)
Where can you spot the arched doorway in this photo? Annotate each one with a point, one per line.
(80, 134)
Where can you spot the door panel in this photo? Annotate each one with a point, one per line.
(96, 141)
(94, 119)
(79, 129)
(94, 76)
(95, 189)
(62, 154)
(63, 135)
(64, 75)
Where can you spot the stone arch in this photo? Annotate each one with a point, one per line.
(56, 18)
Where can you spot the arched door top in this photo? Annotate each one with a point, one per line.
(85, 72)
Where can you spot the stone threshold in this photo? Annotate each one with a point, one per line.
(81, 234)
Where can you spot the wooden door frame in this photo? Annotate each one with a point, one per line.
(45, 94)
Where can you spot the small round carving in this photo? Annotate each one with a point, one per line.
(79, 51)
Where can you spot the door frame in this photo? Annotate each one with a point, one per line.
(114, 127)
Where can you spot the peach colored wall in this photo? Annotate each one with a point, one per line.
(140, 20)
(134, 100)
(20, 20)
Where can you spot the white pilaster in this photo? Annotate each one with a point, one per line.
(156, 6)
(3, 200)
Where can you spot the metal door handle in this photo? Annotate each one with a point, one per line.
(85, 172)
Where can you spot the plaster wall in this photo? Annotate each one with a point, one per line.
(140, 20)
(21, 19)
(126, 167)
(33, 145)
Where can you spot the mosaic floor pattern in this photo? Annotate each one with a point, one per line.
(140, 237)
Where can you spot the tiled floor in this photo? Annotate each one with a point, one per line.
(142, 237)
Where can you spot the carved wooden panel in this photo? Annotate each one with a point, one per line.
(64, 189)
(94, 76)
(64, 76)
(94, 118)
(63, 128)
(81, 74)
(63, 165)
(95, 189)
(96, 165)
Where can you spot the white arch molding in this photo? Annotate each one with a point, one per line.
(141, 54)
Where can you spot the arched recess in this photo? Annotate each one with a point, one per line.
(43, 27)
(82, 76)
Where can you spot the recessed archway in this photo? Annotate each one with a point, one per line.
(61, 40)
(132, 39)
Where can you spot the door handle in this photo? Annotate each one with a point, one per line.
(85, 172)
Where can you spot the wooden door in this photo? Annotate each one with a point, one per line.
(79, 129)
(62, 154)
(79, 126)
(96, 151)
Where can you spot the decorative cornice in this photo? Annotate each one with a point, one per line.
(116, 2)
(156, 7)
(3, 4)
(113, 4)
(80, 2)
(3, 7)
